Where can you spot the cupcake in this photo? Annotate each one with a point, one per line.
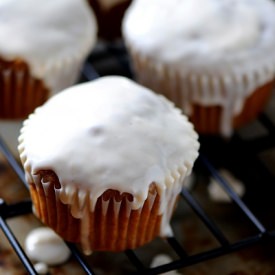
(109, 14)
(43, 45)
(105, 161)
(215, 59)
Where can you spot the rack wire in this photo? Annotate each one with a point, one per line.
(214, 152)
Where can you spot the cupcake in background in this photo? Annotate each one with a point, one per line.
(109, 14)
(215, 59)
(104, 167)
(43, 45)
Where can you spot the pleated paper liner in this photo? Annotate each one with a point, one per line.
(20, 92)
(207, 120)
(112, 226)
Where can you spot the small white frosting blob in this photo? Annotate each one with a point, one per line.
(43, 245)
(218, 194)
(162, 259)
(41, 268)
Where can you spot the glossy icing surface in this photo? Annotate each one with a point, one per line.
(205, 27)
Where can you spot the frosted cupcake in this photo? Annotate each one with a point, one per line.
(105, 162)
(43, 45)
(215, 59)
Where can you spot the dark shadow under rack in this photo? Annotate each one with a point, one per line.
(213, 150)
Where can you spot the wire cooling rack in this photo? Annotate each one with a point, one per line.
(240, 155)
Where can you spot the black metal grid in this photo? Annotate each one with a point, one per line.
(214, 152)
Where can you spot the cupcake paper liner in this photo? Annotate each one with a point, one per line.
(112, 224)
(20, 93)
(207, 119)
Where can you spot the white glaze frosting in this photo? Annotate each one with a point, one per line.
(221, 51)
(208, 28)
(43, 245)
(110, 133)
(53, 37)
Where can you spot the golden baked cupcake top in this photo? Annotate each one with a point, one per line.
(109, 134)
